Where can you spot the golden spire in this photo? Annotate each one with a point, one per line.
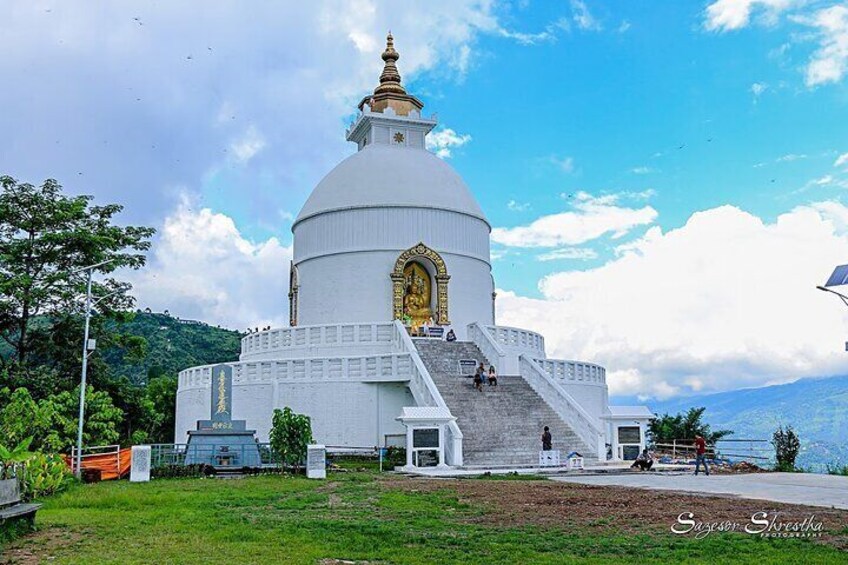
(390, 78)
(389, 93)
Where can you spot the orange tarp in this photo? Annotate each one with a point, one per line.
(112, 465)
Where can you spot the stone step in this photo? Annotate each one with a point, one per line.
(501, 425)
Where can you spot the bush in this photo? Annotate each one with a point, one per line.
(182, 471)
(786, 447)
(290, 434)
(42, 475)
(837, 470)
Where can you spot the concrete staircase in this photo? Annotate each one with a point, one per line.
(501, 426)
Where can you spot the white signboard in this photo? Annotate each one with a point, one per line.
(316, 462)
(549, 458)
(140, 469)
(575, 463)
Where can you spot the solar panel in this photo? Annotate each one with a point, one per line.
(839, 276)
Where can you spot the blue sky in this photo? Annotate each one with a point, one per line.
(665, 179)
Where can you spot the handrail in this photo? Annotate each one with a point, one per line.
(279, 339)
(518, 338)
(563, 403)
(487, 344)
(403, 342)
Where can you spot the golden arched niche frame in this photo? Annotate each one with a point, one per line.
(421, 251)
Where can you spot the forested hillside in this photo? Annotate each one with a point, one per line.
(172, 345)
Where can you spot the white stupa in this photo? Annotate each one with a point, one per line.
(389, 241)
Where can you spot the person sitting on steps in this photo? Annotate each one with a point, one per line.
(478, 377)
(493, 376)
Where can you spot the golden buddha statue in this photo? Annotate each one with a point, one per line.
(416, 300)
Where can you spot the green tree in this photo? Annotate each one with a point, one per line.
(45, 237)
(22, 417)
(102, 419)
(685, 425)
(786, 447)
(290, 434)
(162, 393)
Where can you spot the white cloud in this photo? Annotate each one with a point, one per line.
(725, 301)
(581, 253)
(788, 158)
(643, 170)
(518, 206)
(247, 145)
(549, 34)
(201, 267)
(592, 217)
(841, 160)
(758, 88)
(625, 25)
(725, 15)
(565, 164)
(829, 62)
(442, 140)
(582, 17)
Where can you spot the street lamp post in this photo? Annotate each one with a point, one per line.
(85, 348)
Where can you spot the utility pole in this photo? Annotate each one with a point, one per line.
(85, 353)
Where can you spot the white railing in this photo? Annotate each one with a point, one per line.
(325, 335)
(573, 372)
(518, 340)
(426, 393)
(490, 348)
(586, 427)
(385, 367)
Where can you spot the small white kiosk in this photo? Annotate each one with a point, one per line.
(629, 425)
(425, 435)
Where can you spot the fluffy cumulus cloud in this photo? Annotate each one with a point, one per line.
(841, 160)
(829, 62)
(203, 268)
(443, 140)
(724, 15)
(725, 301)
(591, 218)
(829, 25)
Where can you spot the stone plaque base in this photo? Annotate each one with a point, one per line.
(223, 448)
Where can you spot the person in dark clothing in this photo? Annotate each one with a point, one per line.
(451, 336)
(493, 376)
(478, 377)
(701, 455)
(547, 441)
(644, 461)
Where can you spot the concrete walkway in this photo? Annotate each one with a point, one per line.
(809, 489)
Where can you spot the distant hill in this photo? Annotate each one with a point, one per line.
(173, 345)
(816, 407)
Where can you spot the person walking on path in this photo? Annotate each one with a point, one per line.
(701, 455)
(547, 441)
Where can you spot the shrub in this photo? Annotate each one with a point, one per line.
(786, 446)
(837, 469)
(290, 434)
(43, 475)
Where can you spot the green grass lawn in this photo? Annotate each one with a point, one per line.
(353, 516)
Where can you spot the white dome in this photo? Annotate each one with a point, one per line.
(380, 176)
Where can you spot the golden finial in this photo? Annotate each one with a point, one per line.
(390, 78)
(389, 93)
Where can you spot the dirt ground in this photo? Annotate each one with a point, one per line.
(561, 505)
